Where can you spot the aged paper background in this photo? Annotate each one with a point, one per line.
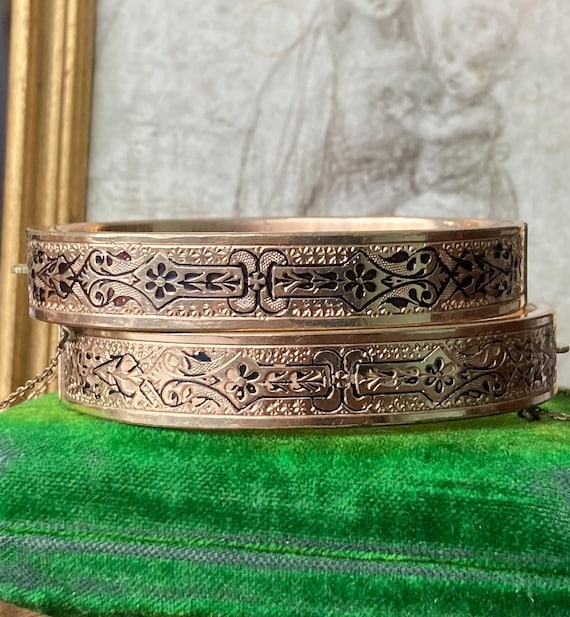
(248, 107)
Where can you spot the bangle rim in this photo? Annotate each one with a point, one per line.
(315, 378)
(281, 231)
(339, 421)
(188, 282)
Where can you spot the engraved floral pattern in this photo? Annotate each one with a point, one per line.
(439, 375)
(360, 281)
(340, 378)
(161, 281)
(221, 282)
(241, 382)
(210, 282)
(256, 281)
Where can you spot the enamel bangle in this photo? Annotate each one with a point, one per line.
(275, 274)
(312, 378)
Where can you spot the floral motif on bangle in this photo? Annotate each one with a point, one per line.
(341, 379)
(161, 281)
(439, 375)
(360, 281)
(256, 281)
(241, 382)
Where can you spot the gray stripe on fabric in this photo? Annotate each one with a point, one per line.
(8, 451)
(240, 557)
(563, 481)
(27, 578)
(197, 591)
(552, 487)
(24, 575)
(289, 544)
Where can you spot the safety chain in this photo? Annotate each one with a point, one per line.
(535, 413)
(38, 384)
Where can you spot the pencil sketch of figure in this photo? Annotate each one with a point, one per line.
(459, 169)
(320, 139)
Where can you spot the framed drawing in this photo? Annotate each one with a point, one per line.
(327, 107)
(309, 107)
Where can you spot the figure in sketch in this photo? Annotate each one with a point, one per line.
(319, 139)
(364, 116)
(458, 170)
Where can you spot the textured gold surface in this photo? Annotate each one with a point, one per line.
(49, 105)
(312, 378)
(276, 273)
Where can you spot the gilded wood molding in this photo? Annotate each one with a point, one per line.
(49, 109)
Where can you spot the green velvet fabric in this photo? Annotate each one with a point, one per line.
(470, 518)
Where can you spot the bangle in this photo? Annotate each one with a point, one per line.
(312, 378)
(275, 274)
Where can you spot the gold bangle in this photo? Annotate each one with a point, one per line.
(275, 273)
(312, 378)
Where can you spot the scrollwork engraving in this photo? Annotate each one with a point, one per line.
(339, 379)
(275, 284)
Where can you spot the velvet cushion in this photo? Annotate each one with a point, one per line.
(457, 519)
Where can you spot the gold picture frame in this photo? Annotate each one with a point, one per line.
(49, 112)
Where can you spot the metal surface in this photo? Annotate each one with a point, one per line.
(48, 128)
(312, 378)
(232, 274)
(38, 384)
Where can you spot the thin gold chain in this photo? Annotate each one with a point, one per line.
(564, 417)
(38, 384)
(535, 412)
